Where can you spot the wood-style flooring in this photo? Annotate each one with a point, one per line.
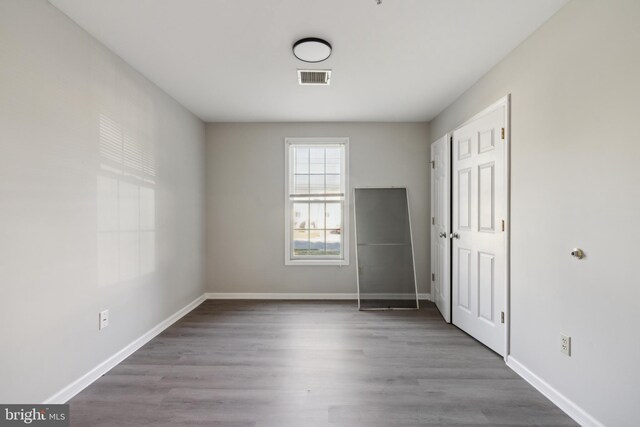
(312, 363)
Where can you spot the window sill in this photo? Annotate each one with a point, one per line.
(317, 262)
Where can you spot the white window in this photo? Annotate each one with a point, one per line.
(316, 201)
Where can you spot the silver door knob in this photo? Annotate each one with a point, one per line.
(455, 236)
(443, 235)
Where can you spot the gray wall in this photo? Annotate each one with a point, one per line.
(575, 89)
(82, 229)
(245, 201)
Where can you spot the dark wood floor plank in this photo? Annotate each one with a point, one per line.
(308, 363)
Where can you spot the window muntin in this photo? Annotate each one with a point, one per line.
(316, 200)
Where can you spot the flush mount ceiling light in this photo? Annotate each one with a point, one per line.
(312, 49)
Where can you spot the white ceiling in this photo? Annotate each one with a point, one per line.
(231, 60)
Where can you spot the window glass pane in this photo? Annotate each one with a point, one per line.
(300, 242)
(300, 215)
(316, 184)
(334, 242)
(316, 215)
(333, 160)
(316, 156)
(333, 184)
(317, 242)
(301, 159)
(334, 215)
(316, 222)
(301, 184)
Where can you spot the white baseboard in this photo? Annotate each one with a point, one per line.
(578, 414)
(84, 381)
(68, 392)
(294, 296)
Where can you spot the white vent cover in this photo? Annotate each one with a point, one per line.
(314, 77)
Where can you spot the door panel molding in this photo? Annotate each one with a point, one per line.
(441, 225)
(480, 227)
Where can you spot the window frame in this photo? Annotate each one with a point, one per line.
(289, 259)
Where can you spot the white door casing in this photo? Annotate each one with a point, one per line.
(479, 254)
(440, 226)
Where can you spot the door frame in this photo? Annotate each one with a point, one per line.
(505, 102)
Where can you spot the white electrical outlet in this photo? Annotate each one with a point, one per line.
(104, 319)
(565, 344)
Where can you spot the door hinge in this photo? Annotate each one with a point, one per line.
(433, 277)
(503, 225)
(433, 220)
(502, 317)
(433, 164)
(502, 133)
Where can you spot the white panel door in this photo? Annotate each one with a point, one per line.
(478, 238)
(440, 226)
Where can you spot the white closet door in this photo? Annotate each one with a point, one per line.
(440, 226)
(478, 237)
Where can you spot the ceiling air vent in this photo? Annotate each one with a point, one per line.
(314, 77)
